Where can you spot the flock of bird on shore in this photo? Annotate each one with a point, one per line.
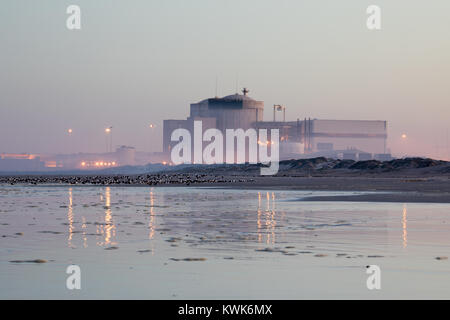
(152, 180)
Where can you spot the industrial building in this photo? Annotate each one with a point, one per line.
(124, 155)
(20, 162)
(302, 138)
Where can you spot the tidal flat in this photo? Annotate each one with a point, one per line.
(218, 243)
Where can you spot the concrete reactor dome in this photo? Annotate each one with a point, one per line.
(236, 111)
(238, 97)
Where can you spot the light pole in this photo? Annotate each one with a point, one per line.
(404, 138)
(152, 127)
(109, 132)
(69, 132)
(278, 107)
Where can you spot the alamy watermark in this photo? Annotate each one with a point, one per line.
(374, 280)
(74, 280)
(191, 149)
(73, 22)
(374, 19)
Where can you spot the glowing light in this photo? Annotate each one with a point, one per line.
(151, 126)
(83, 164)
(69, 131)
(70, 219)
(50, 164)
(108, 130)
(109, 229)
(404, 136)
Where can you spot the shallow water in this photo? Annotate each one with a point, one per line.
(132, 242)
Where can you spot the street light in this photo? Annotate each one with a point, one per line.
(404, 142)
(108, 131)
(69, 144)
(152, 127)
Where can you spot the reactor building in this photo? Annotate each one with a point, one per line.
(302, 138)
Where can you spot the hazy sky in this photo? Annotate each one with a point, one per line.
(138, 62)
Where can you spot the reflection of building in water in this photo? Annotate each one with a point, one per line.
(266, 222)
(151, 224)
(70, 219)
(83, 227)
(152, 221)
(404, 226)
(108, 229)
(70, 222)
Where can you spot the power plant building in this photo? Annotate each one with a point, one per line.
(352, 139)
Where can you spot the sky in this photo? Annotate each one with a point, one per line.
(135, 63)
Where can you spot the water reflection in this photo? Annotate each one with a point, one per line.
(70, 222)
(269, 219)
(70, 218)
(108, 229)
(83, 227)
(258, 219)
(151, 224)
(404, 226)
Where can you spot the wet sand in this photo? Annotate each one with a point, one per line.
(403, 197)
(425, 190)
(210, 243)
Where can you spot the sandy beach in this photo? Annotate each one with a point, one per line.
(208, 243)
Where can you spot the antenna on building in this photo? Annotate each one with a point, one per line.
(245, 91)
(279, 107)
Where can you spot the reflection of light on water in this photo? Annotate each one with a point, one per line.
(151, 224)
(71, 226)
(83, 226)
(109, 229)
(404, 226)
(70, 219)
(270, 221)
(258, 219)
